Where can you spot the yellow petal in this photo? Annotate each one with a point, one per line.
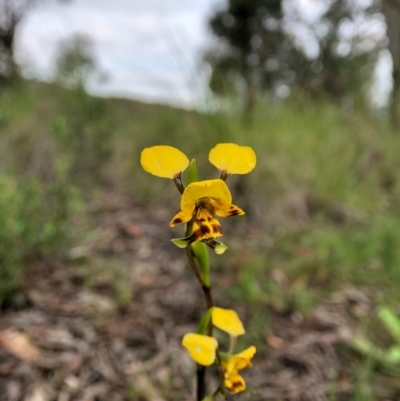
(163, 161)
(207, 229)
(180, 218)
(242, 360)
(227, 320)
(233, 381)
(248, 353)
(201, 348)
(235, 384)
(232, 158)
(225, 209)
(214, 189)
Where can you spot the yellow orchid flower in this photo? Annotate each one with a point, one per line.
(164, 161)
(231, 366)
(230, 158)
(201, 348)
(202, 200)
(228, 321)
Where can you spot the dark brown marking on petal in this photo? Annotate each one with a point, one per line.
(236, 385)
(205, 229)
(197, 234)
(201, 220)
(216, 228)
(231, 207)
(234, 212)
(177, 220)
(202, 231)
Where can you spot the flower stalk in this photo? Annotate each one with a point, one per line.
(201, 202)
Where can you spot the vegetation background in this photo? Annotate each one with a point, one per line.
(95, 299)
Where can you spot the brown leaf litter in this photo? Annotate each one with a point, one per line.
(72, 342)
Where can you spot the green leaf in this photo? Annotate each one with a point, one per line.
(179, 242)
(364, 346)
(391, 321)
(205, 320)
(201, 254)
(218, 247)
(192, 175)
(393, 354)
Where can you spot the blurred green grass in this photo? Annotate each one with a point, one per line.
(322, 201)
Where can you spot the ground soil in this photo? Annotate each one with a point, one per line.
(68, 337)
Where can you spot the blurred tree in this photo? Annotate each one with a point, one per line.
(347, 52)
(75, 61)
(11, 14)
(391, 10)
(249, 52)
(264, 45)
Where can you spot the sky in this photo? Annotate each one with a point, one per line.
(147, 50)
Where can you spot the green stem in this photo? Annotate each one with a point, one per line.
(190, 256)
(207, 297)
(201, 382)
(193, 265)
(201, 370)
(232, 344)
(206, 289)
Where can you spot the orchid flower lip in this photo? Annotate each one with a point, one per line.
(200, 202)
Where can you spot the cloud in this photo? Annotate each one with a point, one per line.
(156, 40)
